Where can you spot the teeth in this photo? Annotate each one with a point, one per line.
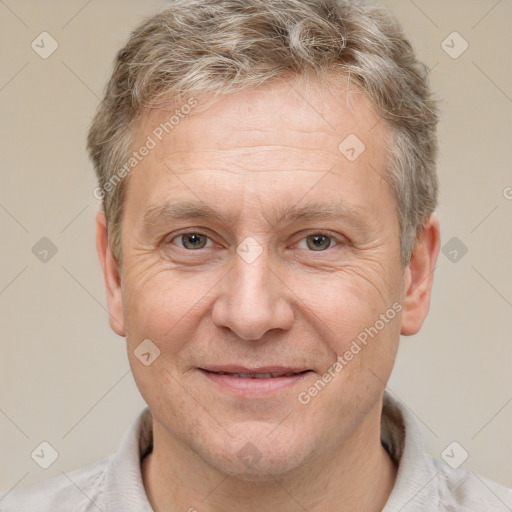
(257, 375)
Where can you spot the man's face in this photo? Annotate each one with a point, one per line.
(271, 283)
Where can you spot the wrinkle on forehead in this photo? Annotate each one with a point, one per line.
(252, 133)
(304, 118)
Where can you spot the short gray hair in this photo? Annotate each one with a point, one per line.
(221, 46)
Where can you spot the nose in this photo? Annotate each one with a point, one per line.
(252, 300)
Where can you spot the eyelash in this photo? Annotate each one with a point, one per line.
(337, 241)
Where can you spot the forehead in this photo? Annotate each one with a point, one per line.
(303, 112)
(281, 136)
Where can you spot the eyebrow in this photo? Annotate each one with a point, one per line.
(184, 210)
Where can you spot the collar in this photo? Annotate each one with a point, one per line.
(400, 435)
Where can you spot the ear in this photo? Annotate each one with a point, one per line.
(419, 276)
(111, 275)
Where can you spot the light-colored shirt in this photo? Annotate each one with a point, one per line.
(114, 483)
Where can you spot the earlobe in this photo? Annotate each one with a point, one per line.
(111, 276)
(419, 277)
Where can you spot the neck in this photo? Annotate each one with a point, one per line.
(358, 476)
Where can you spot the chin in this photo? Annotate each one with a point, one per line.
(259, 461)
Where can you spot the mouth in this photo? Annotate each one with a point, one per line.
(254, 381)
(268, 375)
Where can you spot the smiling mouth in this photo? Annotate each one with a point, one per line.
(255, 382)
(267, 375)
(261, 382)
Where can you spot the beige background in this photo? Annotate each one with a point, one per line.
(64, 376)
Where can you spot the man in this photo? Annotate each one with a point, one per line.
(267, 171)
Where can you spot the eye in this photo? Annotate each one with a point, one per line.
(319, 241)
(192, 240)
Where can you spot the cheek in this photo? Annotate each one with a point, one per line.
(358, 324)
(345, 300)
(162, 305)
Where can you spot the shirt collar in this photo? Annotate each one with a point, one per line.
(123, 478)
(400, 435)
(403, 440)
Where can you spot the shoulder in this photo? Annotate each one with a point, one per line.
(461, 489)
(115, 481)
(426, 483)
(72, 490)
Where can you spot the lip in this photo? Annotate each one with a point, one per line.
(233, 368)
(254, 387)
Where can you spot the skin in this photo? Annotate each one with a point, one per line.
(251, 155)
